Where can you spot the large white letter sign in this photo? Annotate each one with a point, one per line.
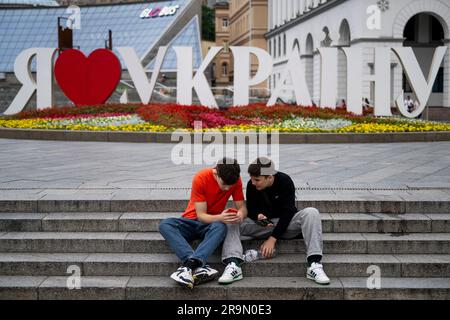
(328, 77)
(296, 72)
(43, 85)
(421, 87)
(185, 82)
(137, 72)
(354, 79)
(382, 79)
(242, 80)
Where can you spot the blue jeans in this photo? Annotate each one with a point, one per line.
(178, 232)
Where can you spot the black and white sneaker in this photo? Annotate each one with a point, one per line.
(316, 273)
(183, 276)
(231, 274)
(204, 274)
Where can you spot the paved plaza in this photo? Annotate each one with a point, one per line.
(53, 170)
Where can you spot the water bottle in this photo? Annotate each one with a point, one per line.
(253, 255)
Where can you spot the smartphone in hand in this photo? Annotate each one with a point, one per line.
(231, 210)
(264, 222)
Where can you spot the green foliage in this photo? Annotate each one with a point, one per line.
(208, 24)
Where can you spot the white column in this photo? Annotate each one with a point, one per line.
(307, 5)
(279, 11)
(302, 6)
(269, 15)
(289, 10)
(272, 13)
(285, 10)
(295, 8)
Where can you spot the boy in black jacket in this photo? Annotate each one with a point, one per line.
(272, 215)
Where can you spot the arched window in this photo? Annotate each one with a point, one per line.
(296, 45)
(344, 33)
(425, 30)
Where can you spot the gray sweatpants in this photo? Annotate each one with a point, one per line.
(306, 221)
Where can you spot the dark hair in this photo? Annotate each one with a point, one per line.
(228, 170)
(262, 167)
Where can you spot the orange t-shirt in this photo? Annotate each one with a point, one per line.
(206, 189)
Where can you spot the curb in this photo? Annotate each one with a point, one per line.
(164, 137)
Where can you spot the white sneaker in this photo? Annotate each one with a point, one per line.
(183, 276)
(204, 274)
(231, 274)
(316, 273)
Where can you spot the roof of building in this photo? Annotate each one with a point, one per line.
(45, 3)
(25, 28)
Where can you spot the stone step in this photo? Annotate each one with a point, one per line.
(153, 242)
(291, 265)
(149, 221)
(172, 203)
(250, 288)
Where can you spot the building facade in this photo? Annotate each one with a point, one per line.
(305, 25)
(248, 24)
(223, 61)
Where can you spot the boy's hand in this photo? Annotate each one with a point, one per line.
(231, 217)
(263, 217)
(268, 248)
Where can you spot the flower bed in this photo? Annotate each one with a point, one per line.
(171, 117)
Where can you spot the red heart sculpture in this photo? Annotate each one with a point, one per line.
(88, 81)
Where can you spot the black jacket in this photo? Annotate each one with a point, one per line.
(277, 201)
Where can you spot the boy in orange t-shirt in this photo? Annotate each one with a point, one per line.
(206, 219)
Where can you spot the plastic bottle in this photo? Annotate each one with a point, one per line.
(253, 255)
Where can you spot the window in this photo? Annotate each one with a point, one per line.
(279, 46)
(225, 23)
(224, 69)
(275, 47)
(284, 44)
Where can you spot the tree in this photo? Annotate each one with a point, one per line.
(208, 24)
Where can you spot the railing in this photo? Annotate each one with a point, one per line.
(223, 95)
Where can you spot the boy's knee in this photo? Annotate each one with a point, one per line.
(219, 227)
(233, 227)
(312, 212)
(166, 224)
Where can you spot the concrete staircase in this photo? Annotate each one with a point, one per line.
(121, 255)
